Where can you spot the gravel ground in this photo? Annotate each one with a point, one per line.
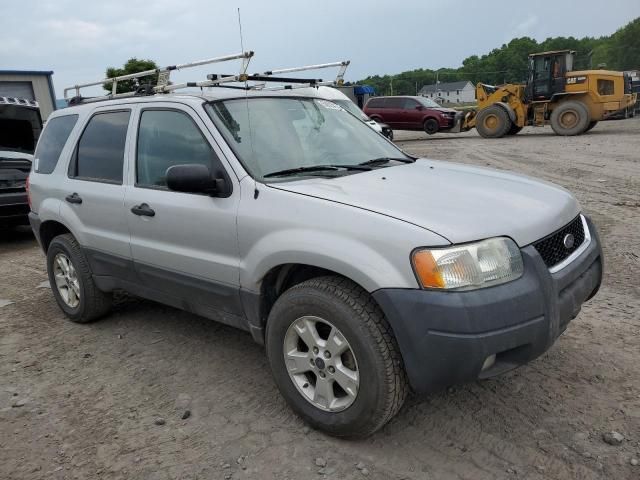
(109, 400)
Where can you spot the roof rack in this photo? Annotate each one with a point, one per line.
(272, 76)
(163, 84)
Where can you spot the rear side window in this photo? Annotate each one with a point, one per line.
(397, 102)
(52, 142)
(99, 154)
(376, 103)
(167, 138)
(605, 87)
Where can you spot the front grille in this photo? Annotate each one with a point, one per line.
(552, 249)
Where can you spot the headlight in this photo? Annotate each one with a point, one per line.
(466, 267)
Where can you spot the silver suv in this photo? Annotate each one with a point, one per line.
(363, 271)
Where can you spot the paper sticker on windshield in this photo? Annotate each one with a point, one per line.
(329, 105)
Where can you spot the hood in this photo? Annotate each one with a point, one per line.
(459, 202)
(444, 110)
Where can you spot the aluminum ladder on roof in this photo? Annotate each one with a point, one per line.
(273, 76)
(163, 84)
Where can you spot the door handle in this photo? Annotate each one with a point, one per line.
(73, 198)
(143, 209)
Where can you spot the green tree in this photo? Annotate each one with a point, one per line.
(509, 63)
(133, 65)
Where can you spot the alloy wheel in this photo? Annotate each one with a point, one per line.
(321, 363)
(66, 280)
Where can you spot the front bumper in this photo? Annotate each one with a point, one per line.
(445, 337)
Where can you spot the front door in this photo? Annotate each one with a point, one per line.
(413, 113)
(184, 245)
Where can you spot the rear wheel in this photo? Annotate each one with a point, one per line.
(334, 357)
(514, 130)
(493, 122)
(431, 126)
(71, 281)
(570, 118)
(591, 125)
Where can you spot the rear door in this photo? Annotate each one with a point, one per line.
(183, 244)
(93, 192)
(395, 112)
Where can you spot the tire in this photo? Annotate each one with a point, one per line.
(390, 135)
(372, 349)
(431, 126)
(591, 125)
(92, 302)
(493, 122)
(570, 118)
(514, 130)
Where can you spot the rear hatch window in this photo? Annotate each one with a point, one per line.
(20, 128)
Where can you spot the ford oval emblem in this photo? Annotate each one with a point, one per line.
(568, 241)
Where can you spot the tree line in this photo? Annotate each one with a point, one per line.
(508, 64)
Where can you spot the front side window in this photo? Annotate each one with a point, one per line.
(99, 155)
(167, 138)
(427, 102)
(52, 142)
(273, 134)
(410, 104)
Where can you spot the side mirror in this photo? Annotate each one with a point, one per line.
(193, 178)
(420, 107)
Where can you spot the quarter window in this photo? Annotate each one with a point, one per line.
(605, 87)
(167, 138)
(100, 152)
(52, 142)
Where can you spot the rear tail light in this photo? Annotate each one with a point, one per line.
(28, 193)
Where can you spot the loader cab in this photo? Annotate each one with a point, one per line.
(547, 73)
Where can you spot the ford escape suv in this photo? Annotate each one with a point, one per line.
(364, 271)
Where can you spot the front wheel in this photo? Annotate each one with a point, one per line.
(334, 357)
(493, 122)
(431, 126)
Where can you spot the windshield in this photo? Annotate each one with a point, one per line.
(427, 102)
(352, 108)
(272, 134)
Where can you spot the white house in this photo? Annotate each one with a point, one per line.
(454, 92)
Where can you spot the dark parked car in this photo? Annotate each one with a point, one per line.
(20, 126)
(411, 113)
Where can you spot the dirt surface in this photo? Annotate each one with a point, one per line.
(106, 400)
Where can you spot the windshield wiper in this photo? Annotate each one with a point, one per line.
(315, 168)
(381, 160)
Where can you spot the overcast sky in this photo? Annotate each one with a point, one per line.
(78, 39)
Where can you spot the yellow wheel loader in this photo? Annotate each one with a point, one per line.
(571, 101)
